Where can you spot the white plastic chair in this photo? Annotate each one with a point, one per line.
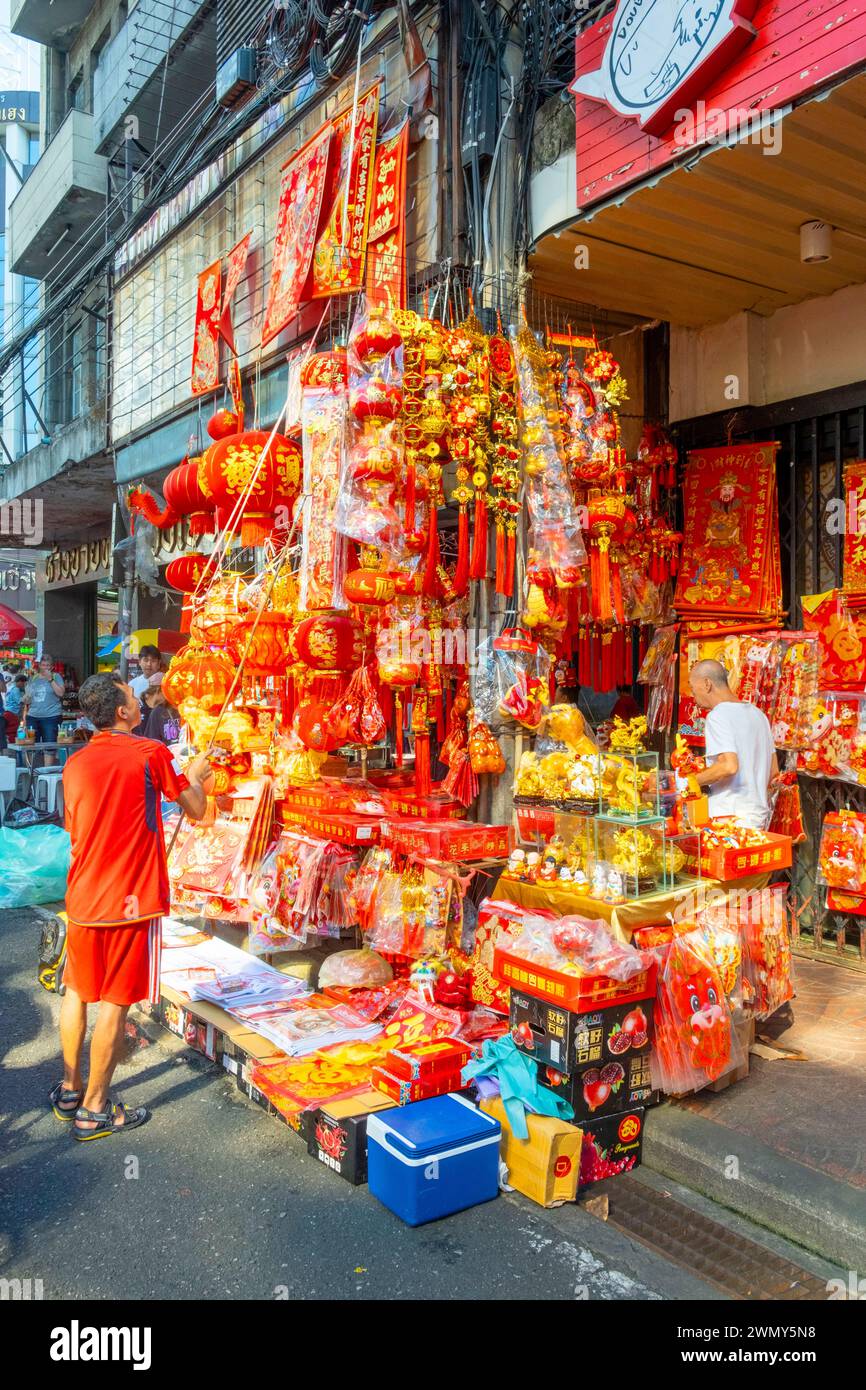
(47, 786)
(8, 781)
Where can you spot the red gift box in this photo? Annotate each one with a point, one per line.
(423, 1061)
(453, 840)
(342, 827)
(404, 1092)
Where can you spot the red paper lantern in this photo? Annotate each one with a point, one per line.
(374, 463)
(184, 496)
(327, 642)
(225, 472)
(222, 424)
(376, 338)
(185, 573)
(369, 588)
(263, 643)
(198, 674)
(326, 370)
(376, 400)
(308, 723)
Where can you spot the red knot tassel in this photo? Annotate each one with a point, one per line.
(500, 559)
(461, 573)
(422, 764)
(398, 729)
(510, 556)
(607, 661)
(478, 564)
(430, 586)
(619, 607)
(409, 510)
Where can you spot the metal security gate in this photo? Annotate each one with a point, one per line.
(816, 435)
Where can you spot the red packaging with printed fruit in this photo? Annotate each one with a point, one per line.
(611, 1145)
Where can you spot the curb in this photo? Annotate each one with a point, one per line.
(800, 1203)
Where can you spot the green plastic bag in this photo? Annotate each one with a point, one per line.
(519, 1086)
(34, 863)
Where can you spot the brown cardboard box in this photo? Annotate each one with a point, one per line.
(546, 1166)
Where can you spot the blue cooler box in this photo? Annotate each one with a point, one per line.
(432, 1158)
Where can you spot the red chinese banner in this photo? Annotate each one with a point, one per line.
(730, 565)
(386, 237)
(302, 186)
(338, 260)
(205, 347)
(854, 523)
(235, 269)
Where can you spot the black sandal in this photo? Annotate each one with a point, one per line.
(104, 1121)
(71, 1099)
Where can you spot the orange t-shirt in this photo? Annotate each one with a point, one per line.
(111, 790)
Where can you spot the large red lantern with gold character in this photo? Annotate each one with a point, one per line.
(184, 496)
(368, 588)
(227, 470)
(262, 642)
(327, 642)
(198, 674)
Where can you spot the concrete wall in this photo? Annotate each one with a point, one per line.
(750, 360)
(66, 628)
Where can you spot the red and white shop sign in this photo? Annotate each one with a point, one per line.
(639, 71)
(660, 55)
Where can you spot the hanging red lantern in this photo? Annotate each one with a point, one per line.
(607, 520)
(327, 642)
(186, 573)
(326, 370)
(198, 674)
(369, 588)
(222, 424)
(398, 675)
(185, 497)
(262, 641)
(375, 339)
(227, 468)
(376, 400)
(309, 724)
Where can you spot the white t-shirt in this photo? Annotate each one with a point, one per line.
(734, 727)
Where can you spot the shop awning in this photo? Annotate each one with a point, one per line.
(14, 628)
(162, 638)
(720, 235)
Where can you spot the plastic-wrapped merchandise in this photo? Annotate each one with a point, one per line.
(554, 520)
(355, 970)
(357, 716)
(522, 677)
(797, 689)
(323, 549)
(373, 462)
(411, 913)
(376, 863)
(767, 981)
(695, 1042)
(574, 944)
(654, 667)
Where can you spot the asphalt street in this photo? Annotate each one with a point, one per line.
(222, 1201)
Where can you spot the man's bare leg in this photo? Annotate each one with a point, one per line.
(73, 1026)
(106, 1046)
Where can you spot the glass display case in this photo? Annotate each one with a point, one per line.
(682, 858)
(629, 785)
(629, 857)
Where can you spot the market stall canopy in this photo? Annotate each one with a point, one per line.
(720, 234)
(14, 628)
(165, 640)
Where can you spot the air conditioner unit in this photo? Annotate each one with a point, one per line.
(236, 77)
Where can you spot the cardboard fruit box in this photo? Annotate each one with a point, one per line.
(337, 1134)
(565, 1040)
(612, 1144)
(545, 1167)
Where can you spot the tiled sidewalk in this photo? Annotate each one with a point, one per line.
(813, 1111)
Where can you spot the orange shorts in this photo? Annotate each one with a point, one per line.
(119, 965)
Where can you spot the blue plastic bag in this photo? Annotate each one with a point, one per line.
(33, 865)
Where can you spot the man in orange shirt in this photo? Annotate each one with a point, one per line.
(116, 893)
